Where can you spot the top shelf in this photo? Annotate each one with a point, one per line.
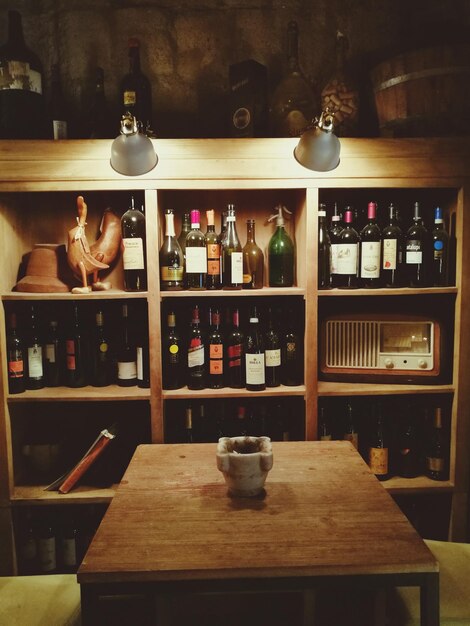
(398, 291)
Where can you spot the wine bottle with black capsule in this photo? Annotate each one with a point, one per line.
(254, 355)
(134, 249)
(417, 251)
(52, 360)
(370, 250)
(173, 364)
(196, 254)
(76, 350)
(170, 257)
(272, 343)
(232, 255)
(101, 365)
(440, 252)
(235, 353)
(126, 352)
(392, 251)
(435, 453)
(291, 352)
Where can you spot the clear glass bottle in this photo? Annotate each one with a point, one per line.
(213, 253)
(232, 256)
(196, 254)
(253, 260)
(170, 257)
(281, 252)
(294, 103)
(185, 228)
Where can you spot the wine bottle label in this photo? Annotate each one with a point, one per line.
(59, 128)
(196, 353)
(378, 461)
(435, 464)
(15, 369)
(325, 437)
(174, 274)
(353, 438)
(133, 256)
(50, 352)
(273, 358)
(127, 370)
(196, 260)
(69, 552)
(216, 367)
(70, 348)
(414, 252)
(173, 356)
(334, 258)
(35, 362)
(28, 550)
(370, 259)
(213, 259)
(347, 258)
(216, 351)
(129, 97)
(19, 75)
(234, 355)
(255, 369)
(140, 363)
(438, 250)
(47, 553)
(236, 260)
(389, 261)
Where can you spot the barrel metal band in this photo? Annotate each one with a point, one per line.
(435, 71)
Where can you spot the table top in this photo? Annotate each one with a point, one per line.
(323, 513)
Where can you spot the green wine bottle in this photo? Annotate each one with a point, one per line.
(280, 252)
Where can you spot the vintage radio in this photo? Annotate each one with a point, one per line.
(381, 348)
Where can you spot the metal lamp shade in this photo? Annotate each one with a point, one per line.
(132, 154)
(318, 149)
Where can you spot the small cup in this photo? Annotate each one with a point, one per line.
(245, 463)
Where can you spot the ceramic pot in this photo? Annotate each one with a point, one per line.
(245, 463)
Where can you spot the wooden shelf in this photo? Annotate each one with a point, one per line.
(35, 494)
(377, 389)
(112, 294)
(228, 392)
(420, 484)
(82, 394)
(235, 293)
(401, 291)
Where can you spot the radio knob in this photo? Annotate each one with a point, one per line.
(389, 364)
(422, 364)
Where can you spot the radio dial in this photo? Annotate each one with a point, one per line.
(422, 364)
(389, 364)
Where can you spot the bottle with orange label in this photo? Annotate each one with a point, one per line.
(213, 253)
(216, 350)
(378, 457)
(75, 346)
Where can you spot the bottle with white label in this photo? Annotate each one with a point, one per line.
(46, 545)
(255, 355)
(370, 249)
(347, 261)
(69, 544)
(392, 250)
(134, 249)
(272, 352)
(196, 373)
(334, 232)
(52, 355)
(126, 353)
(35, 355)
(232, 254)
(196, 254)
(417, 251)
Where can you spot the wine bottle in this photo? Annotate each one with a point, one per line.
(253, 260)
(440, 241)
(235, 354)
(324, 251)
(185, 228)
(76, 351)
(334, 233)
(370, 245)
(58, 109)
(196, 374)
(213, 253)
(291, 353)
(417, 251)
(22, 106)
(35, 355)
(216, 353)
(435, 449)
(378, 457)
(408, 461)
(126, 352)
(98, 122)
(351, 432)
(171, 258)
(52, 355)
(280, 252)
(324, 428)
(15, 357)
(136, 90)
(134, 249)
(142, 348)
(348, 254)
(46, 544)
(272, 345)
(196, 254)
(392, 251)
(69, 544)
(27, 546)
(232, 255)
(101, 369)
(188, 425)
(254, 355)
(294, 103)
(172, 359)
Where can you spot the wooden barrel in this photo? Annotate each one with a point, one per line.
(424, 92)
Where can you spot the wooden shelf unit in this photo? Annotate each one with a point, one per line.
(40, 181)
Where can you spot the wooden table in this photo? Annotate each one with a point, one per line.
(324, 519)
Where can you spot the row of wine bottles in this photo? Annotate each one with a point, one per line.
(405, 439)
(207, 421)
(49, 542)
(382, 257)
(252, 353)
(76, 346)
(196, 260)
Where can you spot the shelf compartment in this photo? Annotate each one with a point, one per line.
(81, 394)
(216, 293)
(111, 294)
(420, 484)
(35, 495)
(399, 291)
(227, 392)
(374, 389)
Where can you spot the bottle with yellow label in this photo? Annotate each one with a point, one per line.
(378, 457)
(172, 357)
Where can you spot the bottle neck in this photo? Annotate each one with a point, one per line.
(371, 211)
(210, 221)
(170, 225)
(293, 47)
(15, 29)
(236, 318)
(134, 59)
(438, 418)
(171, 320)
(250, 231)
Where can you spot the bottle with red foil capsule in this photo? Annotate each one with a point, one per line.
(196, 374)
(196, 254)
(347, 262)
(235, 355)
(15, 352)
(76, 352)
(370, 249)
(216, 350)
(213, 254)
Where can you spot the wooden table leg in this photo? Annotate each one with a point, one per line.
(89, 605)
(429, 600)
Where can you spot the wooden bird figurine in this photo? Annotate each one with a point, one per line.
(79, 256)
(106, 248)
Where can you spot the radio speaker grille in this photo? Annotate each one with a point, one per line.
(352, 343)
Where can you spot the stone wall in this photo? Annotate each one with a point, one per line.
(188, 45)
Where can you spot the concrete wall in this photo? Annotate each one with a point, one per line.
(188, 45)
